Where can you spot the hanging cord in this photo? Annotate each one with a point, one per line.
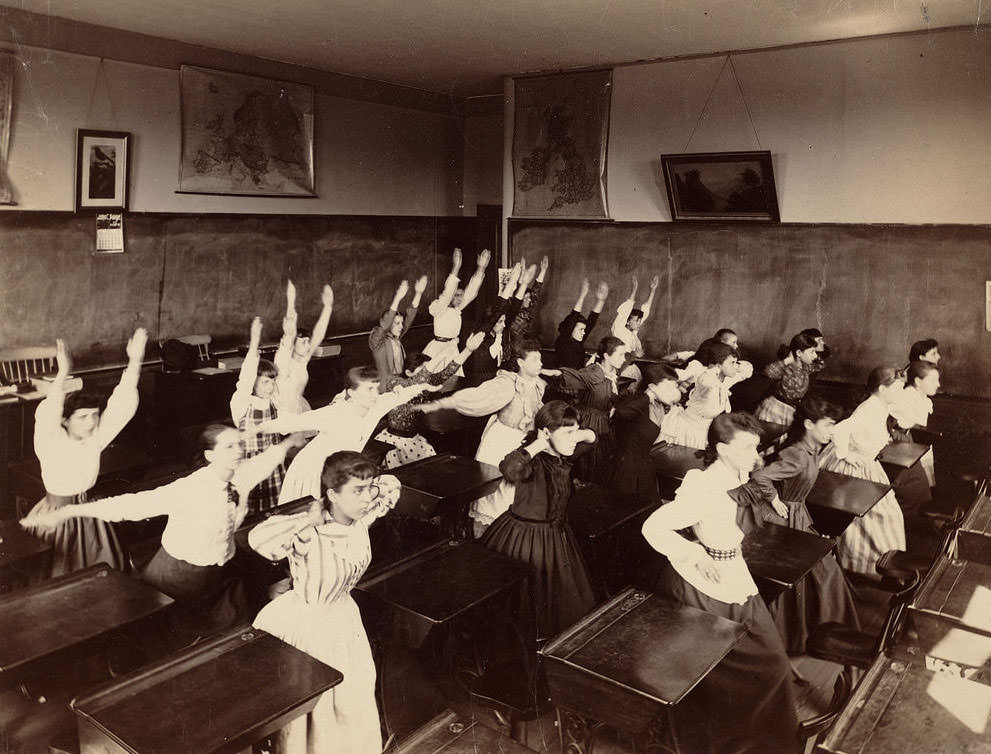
(712, 89)
(101, 75)
(744, 98)
(706, 105)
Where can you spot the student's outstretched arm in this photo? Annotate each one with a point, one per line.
(623, 310)
(439, 304)
(323, 321)
(123, 402)
(475, 283)
(379, 333)
(649, 301)
(248, 374)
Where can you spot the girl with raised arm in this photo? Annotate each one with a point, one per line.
(446, 309)
(573, 331)
(328, 551)
(296, 348)
(70, 433)
(385, 339)
(627, 326)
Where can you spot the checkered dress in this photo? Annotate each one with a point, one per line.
(266, 494)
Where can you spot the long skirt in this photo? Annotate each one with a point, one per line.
(745, 703)
(78, 542)
(775, 411)
(882, 528)
(559, 589)
(821, 597)
(209, 599)
(594, 465)
(345, 719)
(498, 440)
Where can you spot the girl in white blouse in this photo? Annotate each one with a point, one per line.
(328, 550)
(857, 441)
(745, 703)
(913, 407)
(70, 433)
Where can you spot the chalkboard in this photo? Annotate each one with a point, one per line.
(184, 274)
(873, 290)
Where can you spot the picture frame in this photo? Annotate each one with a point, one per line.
(103, 170)
(721, 187)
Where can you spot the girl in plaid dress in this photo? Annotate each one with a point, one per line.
(791, 376)
(253, 403)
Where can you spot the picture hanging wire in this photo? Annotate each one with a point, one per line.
(101, 75)
(705, 107)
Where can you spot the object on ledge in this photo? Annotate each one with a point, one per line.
(43, 383)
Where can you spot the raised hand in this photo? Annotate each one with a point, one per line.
(529, 275)
(585, 286)
(136, 345)
(483, 259)
(256, 330)
(290, 295)
(402, 290)
(327, 297)
(455, 261)
(420, 285)
(544, 264)
(636, 284)
(654, 281)
(474, 341)
(62, 358)
(602, 291)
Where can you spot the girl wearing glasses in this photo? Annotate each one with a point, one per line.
(328, 551)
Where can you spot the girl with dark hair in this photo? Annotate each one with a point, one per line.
(511, 399)
(745, 703)
(205, 508)
(346, 423)
(924, 350)
(70, 433)
(709, 398)
(636, 424)
(791, 377)
(328, 551)
(784, 483)
(534, 528)
(597, 389)
(296, 348)
(254, 403)
(915, 405)
(573, 331)
(853, 451)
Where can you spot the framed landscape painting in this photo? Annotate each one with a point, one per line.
(731, 186)
(245, 135)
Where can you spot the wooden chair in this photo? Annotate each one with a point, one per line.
(201, 341)
(20, 364)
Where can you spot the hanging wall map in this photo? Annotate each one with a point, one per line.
(245, 135)
(559, 145)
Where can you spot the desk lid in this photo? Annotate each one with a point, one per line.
(959, 592)
(674, 461)
(69, 610)
(782, 554)
(978, 518)
(901, 707)
(446, 475)
(208, 698)
(445, 580)
(646, 644)
(903, 454)
(844, 493)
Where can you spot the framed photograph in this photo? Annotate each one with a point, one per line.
(245, 135)
(103, 167)
(718, 186)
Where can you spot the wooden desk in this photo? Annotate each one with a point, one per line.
(607, 526)
(974, 534)
(674, 461)
(901, 455)
(770, 434)
(836, 499)
(781, 557)
(218, 697)
(450, 733)
(42, 625)
(900, 707)
(439, 584)
(444, 485)
(952, 613)
(24, 559)
(628, 662)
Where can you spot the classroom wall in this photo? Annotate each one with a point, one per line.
(369, 158)
(882, 130)
(873, 290)
(483, 160)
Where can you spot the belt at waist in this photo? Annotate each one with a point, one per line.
(61, 500)
(533, 520)
(439, 339)
(721, 554)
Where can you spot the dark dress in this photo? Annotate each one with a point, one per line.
(595, 395)
(481, 365)
(535, 531)
(633, 470)
(824, 595)
(569, 352)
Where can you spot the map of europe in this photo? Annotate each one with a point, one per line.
(244, 135)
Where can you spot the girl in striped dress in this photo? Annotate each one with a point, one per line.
(328, 551)
(853, 451)
(252, 404)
